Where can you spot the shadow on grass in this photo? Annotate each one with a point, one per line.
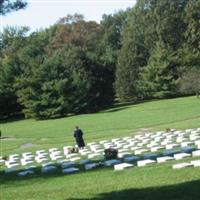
(182, 191)
(15, 118)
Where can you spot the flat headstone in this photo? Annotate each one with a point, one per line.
(98, 150)
(170, 152)
(49, 169)
(71, 155)
(164, 159)
(195, 163)
(196, 153)
(93, 155)
(140, 151)
(131, 158)
(150, 155)
(122, 166)
(186, 143)
(83, 162)
(156, 148)
(91, 166)
(75, 159)
(188, 149)
(56, 157)
(171, 146)
(10, 170)
(53, 149)
(47, 164)
(145, 162)
(182, 165)
(124, 154)
(109, 163)
(70, 170)
(25, 173)
(67, 164)
(180, 156)
(26, 162)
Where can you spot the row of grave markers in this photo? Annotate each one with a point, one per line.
(146, 148)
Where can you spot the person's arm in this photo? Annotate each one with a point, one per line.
(81, 132)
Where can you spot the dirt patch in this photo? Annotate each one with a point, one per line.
(27, 145)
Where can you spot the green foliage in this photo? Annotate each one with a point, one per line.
(190, 82)
(12, 42)
(78, 66)
(7, 6)
(159, 77)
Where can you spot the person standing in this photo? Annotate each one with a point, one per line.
(78, 134)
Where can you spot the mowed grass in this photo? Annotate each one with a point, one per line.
(119, 121)
(154, 182)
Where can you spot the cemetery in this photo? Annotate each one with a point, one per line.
(99, 100)
(149, 148)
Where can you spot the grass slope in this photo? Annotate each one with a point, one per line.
(180, 113)
(149, 183)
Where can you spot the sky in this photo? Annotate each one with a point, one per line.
(43, 13)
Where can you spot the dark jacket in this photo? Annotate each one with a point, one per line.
(78, 134)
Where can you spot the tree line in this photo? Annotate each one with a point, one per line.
(75, 66)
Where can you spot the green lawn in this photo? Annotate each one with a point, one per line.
(148, 183)
(154, 182)
(180, 113)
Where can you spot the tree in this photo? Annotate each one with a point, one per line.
(190, 82)
(7, 6)
(159, 78)
(13, 40)
(135, 49)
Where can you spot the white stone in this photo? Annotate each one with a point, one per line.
(171, 146)
(145, 162)
(164, 159)
(56, 157)
(85, 153)
(103, 141)
(40, 160)
(98, 150)
(75, 159)
(182, 165)
(156, 148)
(53, 149)
(196, 153)
(124, 154)
(196, 163)
(140, 151)
(180, 156)
(122, 150)
(122, 166)
(42, 151)
(72, 155)
(11, 164)
(55, 153)
(26, 162)
(186, 143)
(91, 143)
(94, 155)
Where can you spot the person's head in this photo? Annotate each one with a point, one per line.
(76, 127)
